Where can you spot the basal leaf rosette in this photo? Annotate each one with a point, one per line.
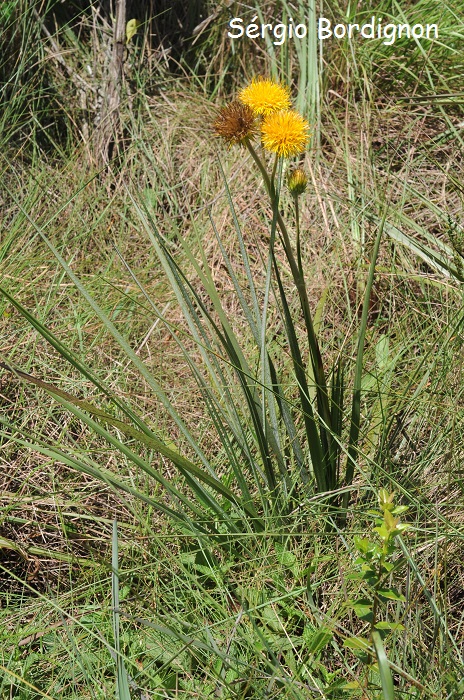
(265, 96)
(285, 133)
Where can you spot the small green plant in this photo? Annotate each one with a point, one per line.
(375, 566)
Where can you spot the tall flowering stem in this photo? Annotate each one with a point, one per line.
(326, 479)
(298, 239)
(297, 182)
(285, 133)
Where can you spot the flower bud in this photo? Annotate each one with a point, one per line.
(297, 181)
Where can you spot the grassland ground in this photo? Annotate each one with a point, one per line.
(269, 618)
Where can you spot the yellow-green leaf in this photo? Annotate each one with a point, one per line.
(360, 643)
(131, 29)
(5, 543)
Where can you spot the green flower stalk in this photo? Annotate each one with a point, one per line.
(285, 133)
(297, 182)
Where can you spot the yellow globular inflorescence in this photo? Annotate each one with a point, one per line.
(264, 103)
(235, 122)
(285, 133)
(265, 96)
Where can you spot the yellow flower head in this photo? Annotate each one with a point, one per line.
(235, 122)
(297, 181)
(285, 133)
(265, 96)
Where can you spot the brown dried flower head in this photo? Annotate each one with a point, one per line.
(235, 122)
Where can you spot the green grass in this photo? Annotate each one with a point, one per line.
(213, 585)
